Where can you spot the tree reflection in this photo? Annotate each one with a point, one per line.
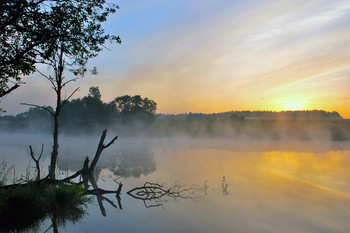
(98, 192)
(134, 161)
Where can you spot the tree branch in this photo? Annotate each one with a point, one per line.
(2, 94)
(34, 105)
(65, 101)
(99, 150)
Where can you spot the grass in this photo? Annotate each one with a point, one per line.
(5, 172)
(25, 207)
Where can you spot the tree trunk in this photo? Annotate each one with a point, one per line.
(54, 154)
(59, 85)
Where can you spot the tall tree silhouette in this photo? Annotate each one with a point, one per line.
(79, 36)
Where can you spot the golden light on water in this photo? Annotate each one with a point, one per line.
(323, 171)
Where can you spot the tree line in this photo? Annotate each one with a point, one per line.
(241, 115)
(86, 114)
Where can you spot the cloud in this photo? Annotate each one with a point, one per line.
(217, 56)
(234, 55)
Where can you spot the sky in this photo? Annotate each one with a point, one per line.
(216, 56)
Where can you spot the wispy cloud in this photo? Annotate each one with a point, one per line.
(223, 55)
(240, 51)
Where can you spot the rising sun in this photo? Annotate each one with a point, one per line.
(292, 104)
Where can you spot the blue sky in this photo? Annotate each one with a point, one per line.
(214, 56)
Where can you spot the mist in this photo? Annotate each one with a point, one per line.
(267, 169)
(241, 163)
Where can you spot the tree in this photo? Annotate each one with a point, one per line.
(79, 37)
(133, 108)
(23, 29)
(95, 93)
(87, 113)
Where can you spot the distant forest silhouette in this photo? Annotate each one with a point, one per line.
(85, 114)
(136, 116)
(298, 114)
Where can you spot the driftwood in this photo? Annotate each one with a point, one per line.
(152, 194)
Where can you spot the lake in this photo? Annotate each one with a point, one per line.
(202, 184)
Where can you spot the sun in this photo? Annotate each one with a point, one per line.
(292, 104)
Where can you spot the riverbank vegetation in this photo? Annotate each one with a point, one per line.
(25, 207)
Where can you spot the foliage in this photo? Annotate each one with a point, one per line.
(34, 31)
(90, 112)
(27, 206)
(87, 113)
(23, 28)
(79, 37)
(135, 108)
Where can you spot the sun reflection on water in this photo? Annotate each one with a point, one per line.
(278, 190)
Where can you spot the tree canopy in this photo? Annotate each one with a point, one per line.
(133, 108)
(33, 31)
(23, 28)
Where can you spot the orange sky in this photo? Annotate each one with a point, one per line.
(203, 56)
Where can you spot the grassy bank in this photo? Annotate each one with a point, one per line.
(27, 206)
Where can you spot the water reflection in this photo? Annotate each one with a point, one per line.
(224, 186)
(270, 191)
(154, 194)
(28, 207)
(245, 187)
(133, 161)
(127, 158)
(98, 192)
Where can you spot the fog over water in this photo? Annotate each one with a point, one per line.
(244, 185)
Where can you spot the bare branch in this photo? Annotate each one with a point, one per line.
(71, 80)
(34, 105)
(111, 142)
(66, 100)
(48, 78)
(99, 150)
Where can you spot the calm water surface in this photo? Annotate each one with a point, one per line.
(235, 186)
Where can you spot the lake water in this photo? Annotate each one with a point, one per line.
(221, 185)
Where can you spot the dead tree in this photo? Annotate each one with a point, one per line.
(37, 161)
(99, 150)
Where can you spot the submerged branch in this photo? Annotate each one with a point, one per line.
(154, 192)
